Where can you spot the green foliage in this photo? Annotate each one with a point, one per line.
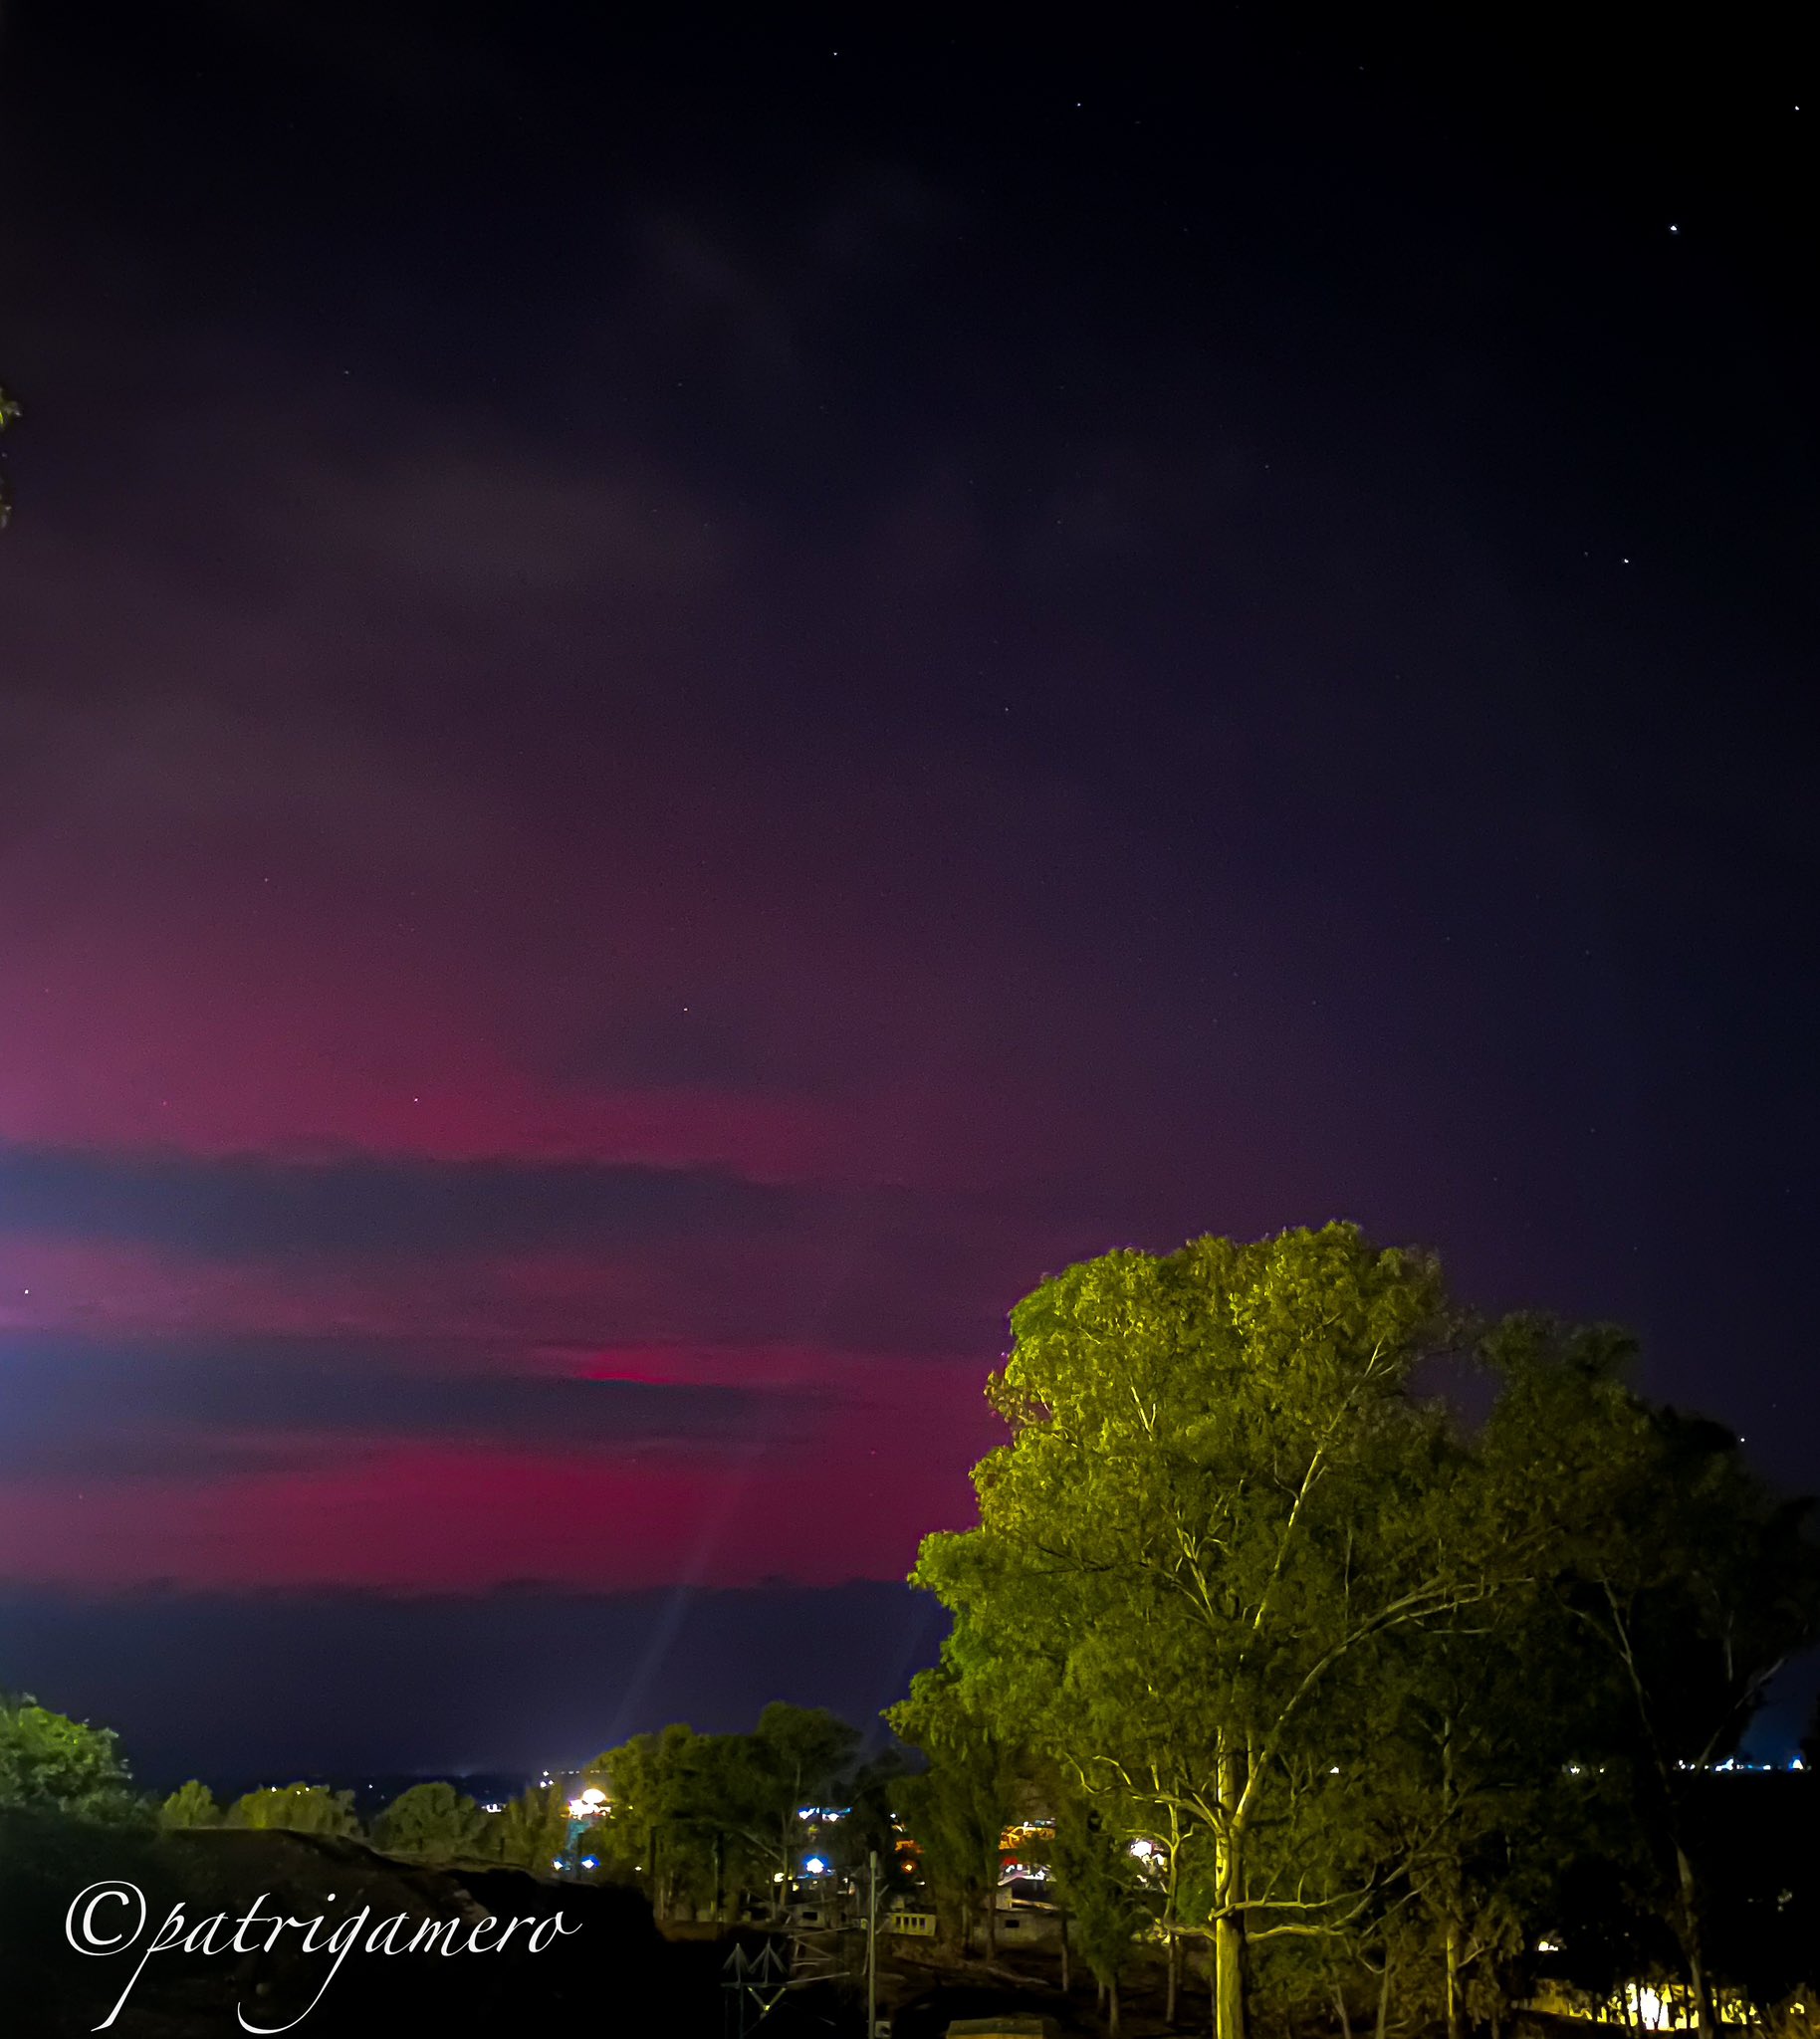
(670, 1801)
(874, 1796)
(958, 1808)
(797, 1757)
(430, 1823)
(703, 1816)
(296, 1809)
(533, 1831)
(1092, 1864)
(52, 1764)
(190, 1805)
(1219, 1486)
(1685, 1582)
(1371, 1679)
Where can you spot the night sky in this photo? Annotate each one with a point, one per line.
(679, 702)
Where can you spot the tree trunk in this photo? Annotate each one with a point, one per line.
(1063, 1922)
(1229, 1981)
(1345, 2017)
(992, 1923)
(1228, 1890)
(1450, 1803)
(1172, 1987)
(1686, 1930)
(1384, 1997)
(1112, 2001)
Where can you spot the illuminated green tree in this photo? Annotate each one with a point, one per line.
(48, 1761)
(1220, 1491)
(705, 1813)
(670, 1799)
(1092, 1865)
(295, 1809)
(190, 1805)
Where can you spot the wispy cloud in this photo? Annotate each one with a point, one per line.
(70, 1408)
(258, 1208)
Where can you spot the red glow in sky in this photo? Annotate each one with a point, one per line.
(643, 772)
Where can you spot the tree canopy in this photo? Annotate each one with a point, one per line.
(297, 1809)
(1240, 1575)
(697, 1817)
(430, 1823)
(190, 1805)
(51, 1762)
(531, 1832)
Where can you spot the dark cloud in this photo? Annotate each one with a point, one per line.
(255, 1208)
(101, 1447)
(148, 1411)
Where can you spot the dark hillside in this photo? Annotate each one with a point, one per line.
(612, 1953)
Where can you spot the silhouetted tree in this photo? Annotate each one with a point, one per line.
(430, 1823)
(533, 1831)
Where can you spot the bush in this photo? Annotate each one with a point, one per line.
(50, 1762)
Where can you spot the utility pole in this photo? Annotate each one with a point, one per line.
(872, 1944)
